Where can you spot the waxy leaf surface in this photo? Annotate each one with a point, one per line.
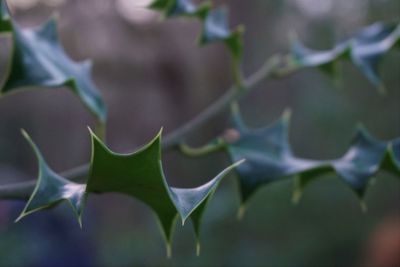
(215, 23)
(365, 50)
(38, 60)
(52, 189)
(138, 175)
(269, 158)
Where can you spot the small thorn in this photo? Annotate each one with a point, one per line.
(25, 134)
(241, 29)
(20, 217)
(297, 190)
(296, 197)
(169, 251)
(90, 130)
(372, 181)
(382, 90)
(241, 212)
(364, 207)
(80, 223)
(287, 114)
(198, 249)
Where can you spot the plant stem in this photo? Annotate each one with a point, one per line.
(204, 150)
(267, 70)
(23, 190)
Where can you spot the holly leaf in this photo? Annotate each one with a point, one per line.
(370, 45)
(5, 23)
(172, 8)
(325, 60)
(52, 189)
(138, 175)
(216, 29)
(38, 60)
(365, 50)
(269, 158)
(184, 8)
(215, 23)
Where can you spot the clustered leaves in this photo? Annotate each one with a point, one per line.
(139, 175)
(269, 158)
(38, 61)
(260, 156)
(365, 50)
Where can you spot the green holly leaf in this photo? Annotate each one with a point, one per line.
(365, 50)
(269, 158)
(52, 189)
(38, 60)
(138, 175)
(141, 176)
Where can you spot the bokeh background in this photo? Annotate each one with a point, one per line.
(151, 75)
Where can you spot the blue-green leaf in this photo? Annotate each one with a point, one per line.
(365, 49)
(38, 60)
(52, 189)
(215, 23)
(269, 158)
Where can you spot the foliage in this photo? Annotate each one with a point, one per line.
(260, 156)
(269, 158)
(38, 60)
(365, 50)
(138, 175)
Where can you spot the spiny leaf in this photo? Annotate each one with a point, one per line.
(216, 29)
(269, 158)
(215, 25)
(174, 7)
(38, 60)
(365, 50)
(51, 189)
(368, 47)
(138, 175)
(5, 23)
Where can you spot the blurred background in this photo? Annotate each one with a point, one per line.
(151, 74)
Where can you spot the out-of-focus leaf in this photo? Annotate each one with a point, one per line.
(5, 23)
(214, 21)
(138, 175)
(269, 158)
(174, 7)
(38, 60)
(365, 50)
(369, 46)
(216, 29)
